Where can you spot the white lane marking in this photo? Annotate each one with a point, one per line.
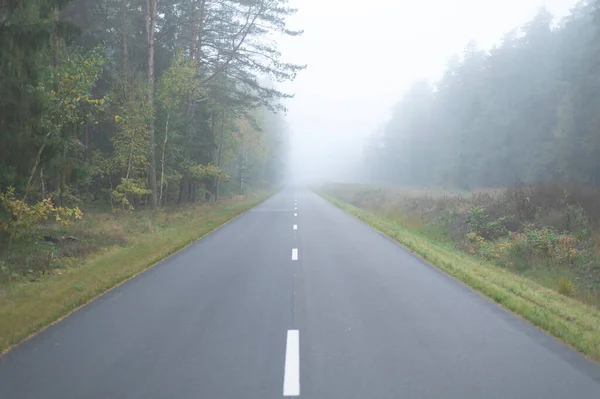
(295, 227)
(295, 254)
(295, 214)
(295, 208)
(291, 379)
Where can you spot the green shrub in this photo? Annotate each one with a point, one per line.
(479, 223)
(546, 243)
(477, 220)
(565, 287)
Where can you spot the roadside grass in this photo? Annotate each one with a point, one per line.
(575, 323)
(114, 249)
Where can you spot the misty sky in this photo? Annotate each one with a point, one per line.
(363, 56)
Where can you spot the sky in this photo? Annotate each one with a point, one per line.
(362, 56)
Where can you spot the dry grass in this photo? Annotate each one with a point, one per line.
(138, 242)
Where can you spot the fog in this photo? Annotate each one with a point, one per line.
(362, 59)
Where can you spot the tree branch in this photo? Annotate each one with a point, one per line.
(236, 47)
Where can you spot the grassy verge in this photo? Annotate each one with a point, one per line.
(575, 323)
(28, 306)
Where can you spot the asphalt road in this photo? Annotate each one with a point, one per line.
(287, 302)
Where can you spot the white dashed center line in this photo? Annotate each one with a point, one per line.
(295, 254)
(295, 227)
(291, 379)
(295, 214)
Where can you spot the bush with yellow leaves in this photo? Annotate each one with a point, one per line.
(21, 219)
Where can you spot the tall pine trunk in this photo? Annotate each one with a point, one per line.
(220, 152)
(196, 35)
(124, 53)
(150, 28)
(162, 160)
(200, 34)
(193, 31)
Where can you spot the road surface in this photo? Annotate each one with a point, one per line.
(294, 298)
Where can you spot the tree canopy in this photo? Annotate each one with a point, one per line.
(141, 101)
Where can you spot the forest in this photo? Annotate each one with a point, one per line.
(525, 110)
(123, 118)
(140, 102)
